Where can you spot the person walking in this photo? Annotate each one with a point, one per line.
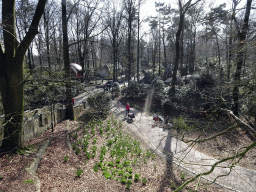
(127, 109)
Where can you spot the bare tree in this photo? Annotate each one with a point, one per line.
(130, 10)
(87, 21)
(114, 20)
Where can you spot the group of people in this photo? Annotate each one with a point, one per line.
(156, 118)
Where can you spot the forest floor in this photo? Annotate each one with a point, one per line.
(56, 174)
(156, 174)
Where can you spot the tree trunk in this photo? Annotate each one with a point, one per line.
(46, 28)
(114, 57)
(129, 50)
(229, 54)
(11, 74)
(138, 46)
(192, 55)
(32, 57)
(165, 55)
(12, 96)
(218, 53)
(69, 106)
(154, 50)
(177, 56)
(29, 62)
(240, 56)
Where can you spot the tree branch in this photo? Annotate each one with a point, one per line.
(32, 32)
(242, 154)
(239, 120)
(72, 10)
(214, 136)
(88, 38)
(234, 18)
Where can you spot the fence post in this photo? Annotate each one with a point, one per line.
(52, 116)
(84, 104)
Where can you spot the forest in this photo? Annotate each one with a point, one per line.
(196, 58)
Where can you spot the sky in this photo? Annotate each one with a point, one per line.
(148, 8)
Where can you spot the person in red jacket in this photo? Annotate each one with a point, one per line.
(127, 109)
(73, 100)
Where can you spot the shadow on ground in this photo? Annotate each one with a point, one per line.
(169, 179)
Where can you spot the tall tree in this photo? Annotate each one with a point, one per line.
(241, 32)
(216, 17)
(182, 11)
(130, 9)
(11, 73)
(195, 16)
(69, 106)
(114, 23)
(154, 46)
(49, 14)
(138, 43)
(88, 23)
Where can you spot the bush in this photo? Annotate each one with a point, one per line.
(116, 89)
(42, 89)
(100, 103)
(180, 124)
(159, 90)
(205, 81)
(189, 95)
(136, 89)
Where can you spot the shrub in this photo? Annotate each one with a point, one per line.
(205, 81)
(116, 89)
(94, 149)
(117, 161)
(107, 175)
(136, 177)
(66, 158)
(126, 163)
(101, 130)
(79, 172)
(74, 146)
(123, 180)
(77, 151)
(136, 89)
(88, 155)
(180, 124)
(159, 91)
(111, 164)
(121, 172)
(96, 168)
(129, 170)
(182, 175)
(100, 103)
(109, 142)
(29, 181)
(144, 181)
(128, 184)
